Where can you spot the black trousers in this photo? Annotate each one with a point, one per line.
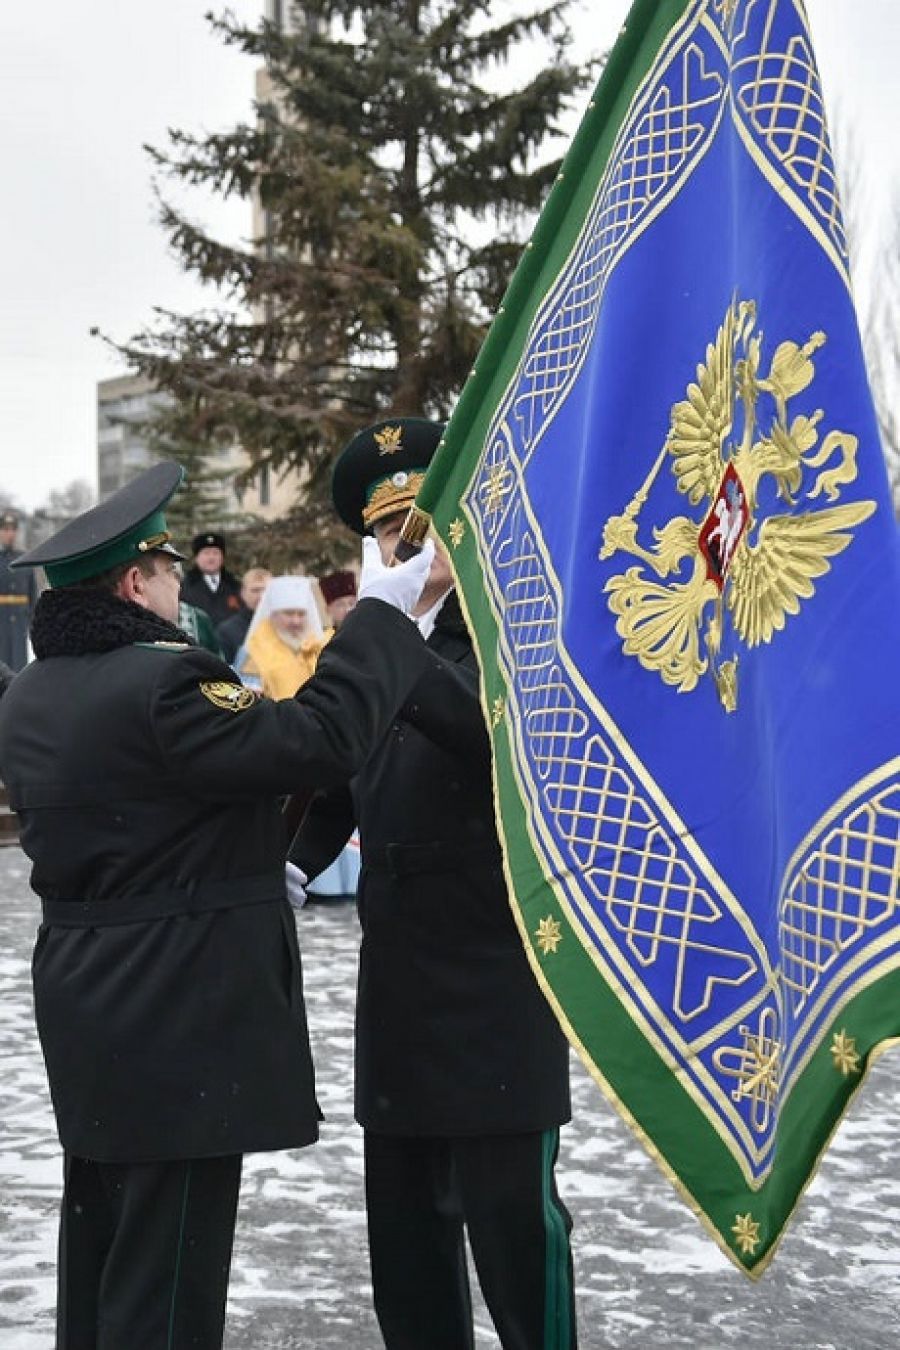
(145, 1253)
(422, 1195)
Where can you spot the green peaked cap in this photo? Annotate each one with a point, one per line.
(128, 525)
(379, 472)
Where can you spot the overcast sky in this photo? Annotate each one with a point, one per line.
(85, 85)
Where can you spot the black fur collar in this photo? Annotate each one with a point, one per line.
(76, 620)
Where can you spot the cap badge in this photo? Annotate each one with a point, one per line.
(388, 440)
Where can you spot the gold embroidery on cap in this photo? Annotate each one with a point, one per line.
(390, 496)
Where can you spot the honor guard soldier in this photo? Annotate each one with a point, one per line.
(167, 982)
(18, 592)
(461, 1069)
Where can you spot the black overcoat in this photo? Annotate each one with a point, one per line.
(167, 976)
(453, 1035)
(220, 604)
(18, 592)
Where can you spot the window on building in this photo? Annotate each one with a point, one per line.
(265, 486)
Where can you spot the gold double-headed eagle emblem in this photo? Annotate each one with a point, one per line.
(389, 440)
(761, 566)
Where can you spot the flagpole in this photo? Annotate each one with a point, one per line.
(413, 534)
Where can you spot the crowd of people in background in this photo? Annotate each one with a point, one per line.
(270, 629)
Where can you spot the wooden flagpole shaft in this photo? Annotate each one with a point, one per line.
(412, 535)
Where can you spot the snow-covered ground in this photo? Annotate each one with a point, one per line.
(648, 1277)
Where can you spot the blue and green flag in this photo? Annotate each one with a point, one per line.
(666, 505)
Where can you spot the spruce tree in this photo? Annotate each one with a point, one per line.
(396, 182)
(205, 500)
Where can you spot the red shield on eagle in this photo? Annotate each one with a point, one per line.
(724, 526)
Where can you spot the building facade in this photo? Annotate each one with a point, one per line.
(123, 404)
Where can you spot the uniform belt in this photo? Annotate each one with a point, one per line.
(403, 860)
(14, 599)
(203, 898)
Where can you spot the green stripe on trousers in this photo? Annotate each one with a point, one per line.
(557, 1282)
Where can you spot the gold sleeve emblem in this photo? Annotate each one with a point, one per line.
(755, 569)
(231, 697)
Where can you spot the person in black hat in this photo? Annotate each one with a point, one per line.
(167, 985)
(461, 1080)
(209, 585)
(18, 593)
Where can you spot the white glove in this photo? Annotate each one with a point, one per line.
(295, 880)
(400, 585)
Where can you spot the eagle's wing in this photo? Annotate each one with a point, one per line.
(770, 578)
(702, 421)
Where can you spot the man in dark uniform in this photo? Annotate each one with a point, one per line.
(461, 1069)
(167, 979)
(209, 585)
(18, 592)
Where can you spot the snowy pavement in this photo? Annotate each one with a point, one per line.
(648, 1277)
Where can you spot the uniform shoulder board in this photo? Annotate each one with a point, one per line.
(165, 646)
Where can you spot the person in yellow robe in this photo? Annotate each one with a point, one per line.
(284, 639)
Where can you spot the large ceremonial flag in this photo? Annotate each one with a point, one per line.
(666, 505)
